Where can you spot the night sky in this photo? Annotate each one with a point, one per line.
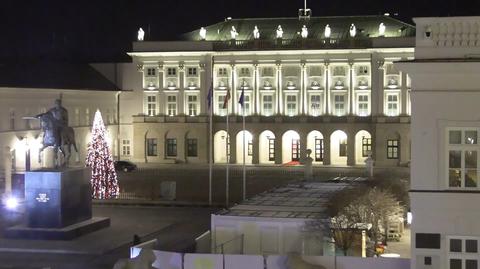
(102, 30)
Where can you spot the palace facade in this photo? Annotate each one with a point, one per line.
(321, 83)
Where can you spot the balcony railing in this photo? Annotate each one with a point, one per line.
(262, 44)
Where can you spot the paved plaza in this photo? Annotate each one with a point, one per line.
(174, 227)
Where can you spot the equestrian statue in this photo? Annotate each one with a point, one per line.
(57, 133)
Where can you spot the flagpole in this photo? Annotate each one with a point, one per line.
(244, 171)
(210, 156)
(228, 159)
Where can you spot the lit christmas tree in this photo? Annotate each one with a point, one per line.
(99, 158)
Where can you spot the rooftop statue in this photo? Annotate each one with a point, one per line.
(57, 133)
(328, 31)
(233, 33)
(279, 32)
(140, 34)
(304, 32)
(353, 30)
(381, 29)
(256, 33)
(203, 33)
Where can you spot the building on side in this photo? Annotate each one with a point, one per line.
(31, 89)
(323, 83)
(445, 131)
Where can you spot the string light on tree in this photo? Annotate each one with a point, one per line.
(99, 158)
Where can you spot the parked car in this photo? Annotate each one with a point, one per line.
(125, 166)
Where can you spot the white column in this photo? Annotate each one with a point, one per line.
(351, 94)
(303, 88)
(279, 97)
(256, 90)
(161, 95)
(181, 90)
(403, 93)
(204, 87)
(327, 89)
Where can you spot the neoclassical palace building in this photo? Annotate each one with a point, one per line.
(321, 83)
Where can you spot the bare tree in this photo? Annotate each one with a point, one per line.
(353, 209)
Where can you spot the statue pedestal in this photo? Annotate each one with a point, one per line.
(58, 205)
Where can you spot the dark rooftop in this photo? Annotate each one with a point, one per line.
(54, 76)
(366, 26)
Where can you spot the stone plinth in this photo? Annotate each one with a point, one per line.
(55, 199)
(58, 205)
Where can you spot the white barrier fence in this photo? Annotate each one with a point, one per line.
(173, 260)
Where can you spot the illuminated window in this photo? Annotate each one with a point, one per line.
(291, 105)
(392, 104)
(363, 105)
(125, 147)
(392, 148)
(267, 105)
(339, 105)
(171, 105)
(151, 105)
(463, 158)
(220, 110)
(192, 105)
(366, 146)
(315, 105)
(246, 104)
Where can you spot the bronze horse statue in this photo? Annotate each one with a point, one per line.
(58, 136)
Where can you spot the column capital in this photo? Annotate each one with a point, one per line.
(326, 63)
(380, 63)
(181, 66)
(140, 67)
(303, 63)
(201, 66)
(160, 67)
(232, 64)
(350, 63)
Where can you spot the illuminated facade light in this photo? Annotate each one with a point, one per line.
(315, 85)
(140, 34)
(304, 32)
(328, 31)
(339, 85)
(362, 85)
(353, 30)
(381, 29)
(233, 33)
(267, 85)
(256, 33)
(392, 84)
(279, 32)
(203, 33)
(291, 85)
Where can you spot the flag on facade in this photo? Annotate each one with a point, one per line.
(227, 98)
(241, 100)
(210, 96)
